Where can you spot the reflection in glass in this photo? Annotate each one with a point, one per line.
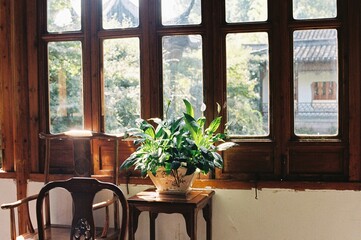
(246, 11)
(63, 15)
(182, 72)
(65, 86)
(314, 9)
(315, 80)
(120, 13)
(181, 12)
(121, 83)
(247, 84)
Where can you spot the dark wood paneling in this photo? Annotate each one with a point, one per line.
(246, 160)
(103, 157)
(315, 162)
(322, 162)
(61, 157)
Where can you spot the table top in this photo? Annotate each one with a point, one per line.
(151, 196)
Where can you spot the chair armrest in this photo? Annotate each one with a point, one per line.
(103, 204)
(11, 207)
(19, 202)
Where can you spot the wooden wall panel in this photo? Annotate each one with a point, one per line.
(103, 157)
(61, 157)
(318, 162)
(247, 161)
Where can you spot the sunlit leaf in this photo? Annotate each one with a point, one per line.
(189, 107)
(226, 145)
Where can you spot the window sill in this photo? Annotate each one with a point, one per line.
(218, 184)
(4, 174)
(233, 184)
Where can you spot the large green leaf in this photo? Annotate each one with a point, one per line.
(226, 145)
(189, 107)
(175, 165)
(191, 125)
(150, 132)
(218, 160)
(214, 125)
(129, 162)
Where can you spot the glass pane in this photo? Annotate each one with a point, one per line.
(181, 12)
(65, 86)
(182, 73)
(121, 83)
(246, 11)
(314, 9)
(247, 84)
(315, 70)
(120, 13)
(64, 15)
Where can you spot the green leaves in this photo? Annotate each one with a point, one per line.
(213, 127)
(189, 107)
(226, 145)
(172, 143)
(193, 127)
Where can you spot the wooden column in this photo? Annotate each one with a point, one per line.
(13, 47)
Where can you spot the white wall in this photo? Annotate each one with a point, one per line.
(277, 214)
(8, 194)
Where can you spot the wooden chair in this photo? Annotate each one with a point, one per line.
(80, 144)
(82, 191)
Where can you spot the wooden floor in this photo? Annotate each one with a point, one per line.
(60, 233)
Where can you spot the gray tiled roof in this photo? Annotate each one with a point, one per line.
(315, 45)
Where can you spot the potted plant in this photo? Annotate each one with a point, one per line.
(174, 149)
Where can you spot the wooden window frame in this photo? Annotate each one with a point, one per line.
(280, 156)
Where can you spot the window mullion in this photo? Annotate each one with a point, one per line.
(92, 74)
(150, 85)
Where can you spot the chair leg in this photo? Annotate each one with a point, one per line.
(12, 224)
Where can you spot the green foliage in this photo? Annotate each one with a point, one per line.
(121, 84)
(175, 142)
(308, 9)
(244, 103)
(65, 86)
(63, 15)
(246, 10)
(121, 72)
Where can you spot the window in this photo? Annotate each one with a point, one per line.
(278, 69)
(247, 84)
(324, 91)
(315, 57)
(121, 83)
(182, 72)
(308, 9)
(65, 86)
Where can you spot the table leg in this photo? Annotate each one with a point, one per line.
(152, 217)
(133, 221)
(191, 223)
(207, 215)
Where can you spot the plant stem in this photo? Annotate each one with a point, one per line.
(176, 177)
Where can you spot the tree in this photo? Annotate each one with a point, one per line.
(65, 86)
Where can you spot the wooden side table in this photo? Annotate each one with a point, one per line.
(189, 205)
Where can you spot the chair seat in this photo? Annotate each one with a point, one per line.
(58, 232)
(63, 232)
